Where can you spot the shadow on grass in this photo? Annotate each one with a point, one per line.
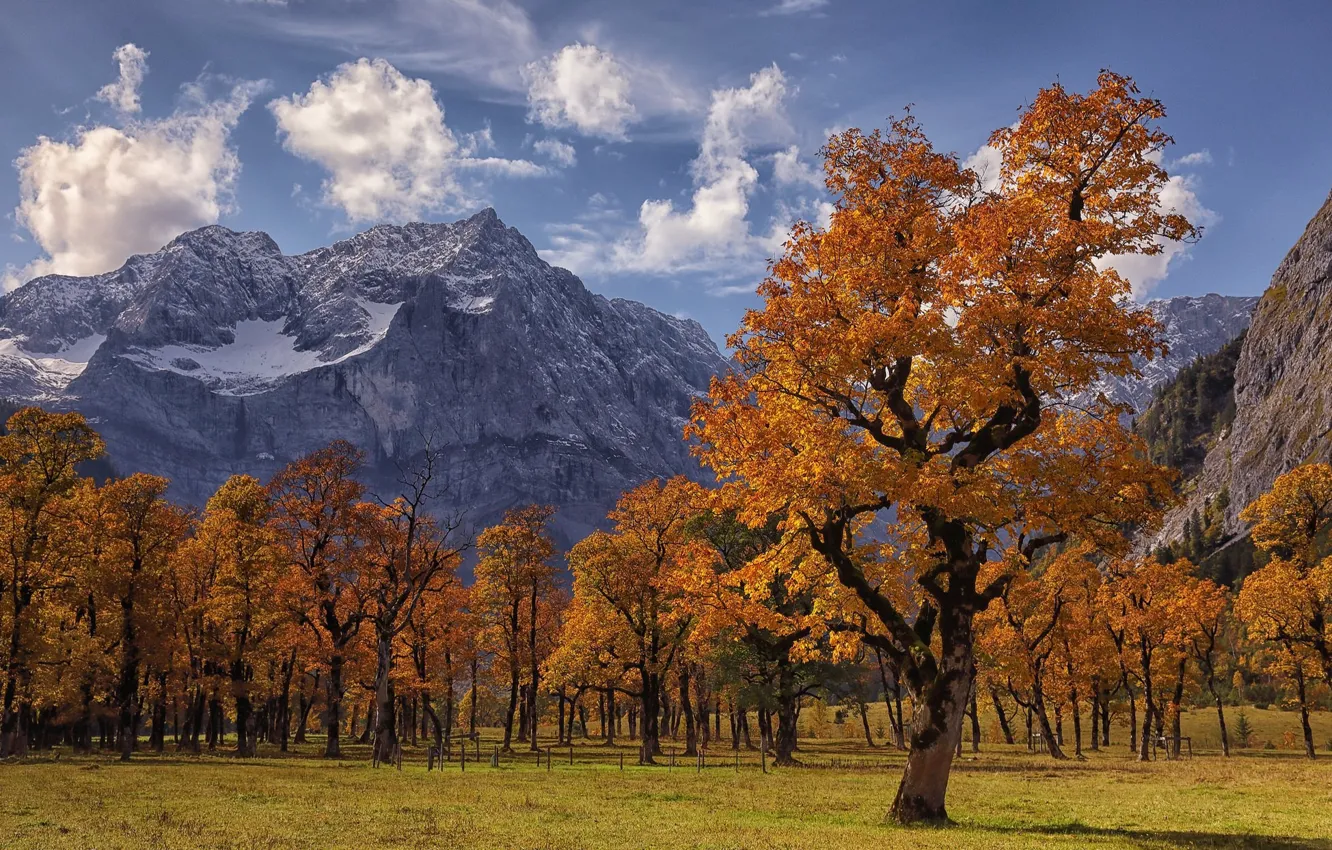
(1165, 839)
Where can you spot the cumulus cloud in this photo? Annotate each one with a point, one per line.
(714, 231)
(108, 192)
(988, 164)
(788, 169)
(381, 137)
(560, 153)
(1178, 195)
(716, 224)
(584, 87)
(795, 7)
(123, 94)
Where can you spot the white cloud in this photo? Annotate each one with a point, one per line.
(382, 139)
(109, 192)
(1178, 195)
(1145, 272)
(715, 230)
(560, 153)
(795, 7)
(788, 169)
(584, 87)
(988, 164)
(1202, 157)
(123, 94)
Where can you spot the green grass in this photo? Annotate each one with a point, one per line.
(1279, 727)
(1001, 798)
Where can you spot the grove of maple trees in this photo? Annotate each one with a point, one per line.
(908, 507)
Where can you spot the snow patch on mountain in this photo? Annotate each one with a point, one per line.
(261, 353)
(53, 371)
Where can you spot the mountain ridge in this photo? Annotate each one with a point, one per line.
(219, 354)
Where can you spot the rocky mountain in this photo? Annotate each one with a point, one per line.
(219, 354)
(1194, 326)
(1283, 386)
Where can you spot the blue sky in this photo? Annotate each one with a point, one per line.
(657, 149)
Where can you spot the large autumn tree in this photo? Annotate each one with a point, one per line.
(39, 453)
(414, 553)
(323, 525)
(911, 362)
(1289, 601)
(512, 577)
(234, 553)
(751, 586)
(630, 576)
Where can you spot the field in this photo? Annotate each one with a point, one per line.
(1002, 797)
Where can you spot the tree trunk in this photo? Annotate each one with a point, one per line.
(1077, 722)
(864, 721)
(333, 707)
(687, 709)
(1043, 717)
(1304, 710)
(386, 730)
(608, 719)
(127, 693)
(284, 701)
(243, 707)
(650, 741)
(524, 703)
(936, 727)
(894, 720)
(1144, 745)
(1096, 717)
(787, 699)
(1105, 720)
(1220, 718)
(533, 691)
(513, 707)
(1177, 705)
(1004, 726)
(975, 718)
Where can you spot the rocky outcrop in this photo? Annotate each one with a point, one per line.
(219, 354)
(1283, 384)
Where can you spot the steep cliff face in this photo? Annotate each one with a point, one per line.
(1283, 384)
(220, 355)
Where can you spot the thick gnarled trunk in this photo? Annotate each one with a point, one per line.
(936, 728)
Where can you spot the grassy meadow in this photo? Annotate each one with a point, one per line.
(1000, 798)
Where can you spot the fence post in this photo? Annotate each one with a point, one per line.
(622, 762)
(764, 754)
(548, 760)
(570, 755)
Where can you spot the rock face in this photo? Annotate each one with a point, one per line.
(1283, 383)
(1194, 326)
(219, 354)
